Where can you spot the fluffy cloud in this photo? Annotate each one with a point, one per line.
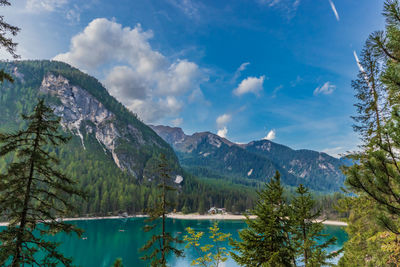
(222, 132)
(334, 10)
(270, 136)
(223, 119)
(325, 89)
(250, 85)
(45, 5)
(141, 78)
(124, 82)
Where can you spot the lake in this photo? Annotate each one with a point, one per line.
(104, 241)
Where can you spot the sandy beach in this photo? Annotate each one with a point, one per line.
(181, 216)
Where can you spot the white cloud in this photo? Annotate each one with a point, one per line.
(124, 82)
(335, 151)
(276, 90)
(334, 10)
(360, 67)
(222, 132)
(241, 68)
(270, 136)
(177, 122)
(141, 78)
(44, 5)
(250, 85)
(325, 89)
(223, 119)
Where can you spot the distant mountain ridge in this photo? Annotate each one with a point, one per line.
(112, 154)
(207, 154)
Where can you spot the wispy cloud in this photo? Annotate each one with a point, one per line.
(223, 119)
(241, 68)
(360, 67)
(177, 122)
(287, 6)
(276, 90)
(334, 151)
(45, 5)
(334, 10)
(188, 7)
(325, 89)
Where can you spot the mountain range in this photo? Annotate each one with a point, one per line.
(112, 154)
(208, 155)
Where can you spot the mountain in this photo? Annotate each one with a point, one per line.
(208, 155)
(112, 154)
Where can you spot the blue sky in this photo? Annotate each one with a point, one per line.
(247, 70)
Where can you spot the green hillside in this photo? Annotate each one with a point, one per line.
(112, 154)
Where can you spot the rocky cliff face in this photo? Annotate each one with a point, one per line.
(82, 114)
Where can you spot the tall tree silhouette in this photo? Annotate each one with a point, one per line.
(34, 193)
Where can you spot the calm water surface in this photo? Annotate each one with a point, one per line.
(105, 241)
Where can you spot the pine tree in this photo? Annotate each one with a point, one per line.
(7, 42)
(266, 241)
(34, 193)
(161, 243)
(306, 231)
(377, 169)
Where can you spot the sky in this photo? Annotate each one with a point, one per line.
(244, 69)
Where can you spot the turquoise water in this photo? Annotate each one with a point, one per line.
(105, 241)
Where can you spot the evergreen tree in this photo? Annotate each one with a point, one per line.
(266, 241)
(377, 169)
(306, 231)
(34, 193)
(375, 176)
(161, 243)
(7, 42)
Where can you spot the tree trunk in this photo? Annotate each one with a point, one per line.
(21, 230)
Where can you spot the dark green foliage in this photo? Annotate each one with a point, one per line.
(34, 193)
(161, 243)
(6, 42)
(377, 172)
(283, 232)
(375, 178)
(306, 231)
(266, 241)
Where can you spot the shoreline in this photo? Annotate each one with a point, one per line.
(180, 216)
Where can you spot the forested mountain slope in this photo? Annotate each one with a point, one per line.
(207, 154)
(112, 154)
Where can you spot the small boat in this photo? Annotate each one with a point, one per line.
(84, 238)
(121, 230)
